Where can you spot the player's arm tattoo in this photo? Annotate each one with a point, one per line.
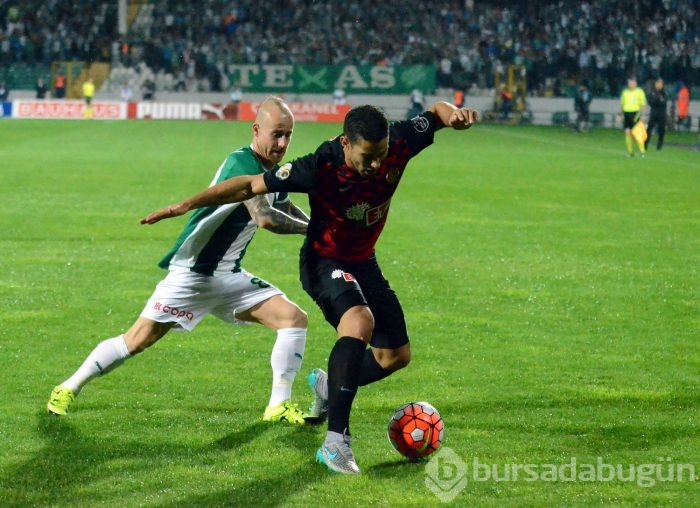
(272, 219)
(292, 210)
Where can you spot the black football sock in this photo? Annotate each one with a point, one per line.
(344, 365)
(371, 370)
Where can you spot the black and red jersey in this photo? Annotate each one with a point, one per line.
(348, 211)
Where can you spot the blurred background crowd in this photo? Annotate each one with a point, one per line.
(468, 41)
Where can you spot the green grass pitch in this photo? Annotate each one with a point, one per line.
(551, 288)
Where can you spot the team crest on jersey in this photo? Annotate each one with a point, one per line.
(357, 212)
(420, 123)
(338, 274)
(284, 171)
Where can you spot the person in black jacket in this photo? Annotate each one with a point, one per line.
(41, 88)
(582, 105)
(657, 115)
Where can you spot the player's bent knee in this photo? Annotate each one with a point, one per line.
(276, 313)
(292, 317)
(393, 359)
(401, 359)
(299, 320)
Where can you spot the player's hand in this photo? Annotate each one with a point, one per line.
(463, 118)
(166, 213)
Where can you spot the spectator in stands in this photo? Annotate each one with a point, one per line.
(416, 103)
(582, 105)
(339, 96)
(4, 92)
(148, 90)
(40, 88)
(181, 82)
(444, 75)
(126, 93)
(236, 94)
(236, 97)
(657, 116)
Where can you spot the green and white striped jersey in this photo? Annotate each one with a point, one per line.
(215, 238)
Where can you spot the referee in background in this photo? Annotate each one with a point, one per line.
(632, 100)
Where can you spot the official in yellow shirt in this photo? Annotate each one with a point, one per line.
(632, 101)
(88, 93)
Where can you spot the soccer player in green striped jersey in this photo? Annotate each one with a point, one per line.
(205, 276)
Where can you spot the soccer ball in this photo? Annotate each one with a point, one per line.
(416, 430)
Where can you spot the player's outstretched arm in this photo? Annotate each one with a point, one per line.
(233, 190)
(452, 116)
(275, 219)
(293, 210)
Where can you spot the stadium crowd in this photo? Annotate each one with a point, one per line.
(468, 41)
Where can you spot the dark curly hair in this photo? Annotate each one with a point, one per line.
(367, 122)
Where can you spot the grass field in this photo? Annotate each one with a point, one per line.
(551, 288)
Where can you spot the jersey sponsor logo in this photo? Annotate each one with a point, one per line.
(174, 311)
(284, 171)
(377, 213)
(363, 212)
(420, 123)
(340, 274)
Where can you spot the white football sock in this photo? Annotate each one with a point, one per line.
(108, 355)
(285, 360)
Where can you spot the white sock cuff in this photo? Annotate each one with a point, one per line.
(291, 333)
(121, 345)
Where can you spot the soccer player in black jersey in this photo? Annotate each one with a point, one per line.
(350, 181)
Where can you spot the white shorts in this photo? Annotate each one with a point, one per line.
(186, 297)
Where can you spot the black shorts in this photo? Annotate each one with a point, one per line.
(630, 119)
(336, 287)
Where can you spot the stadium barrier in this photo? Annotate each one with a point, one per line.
(560, 118)
(154, 110)
(307, 108)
